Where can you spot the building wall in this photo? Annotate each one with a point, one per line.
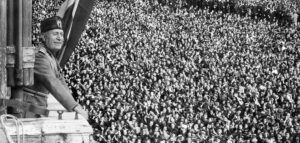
(3, 29)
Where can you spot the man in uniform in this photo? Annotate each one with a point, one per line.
(47, 75)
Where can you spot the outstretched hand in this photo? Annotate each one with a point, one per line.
(82, 112)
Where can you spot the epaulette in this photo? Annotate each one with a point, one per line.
(41, 49)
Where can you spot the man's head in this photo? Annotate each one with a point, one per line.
(52, 33)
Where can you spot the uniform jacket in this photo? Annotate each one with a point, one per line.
(48, 79)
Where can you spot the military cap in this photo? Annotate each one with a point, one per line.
(51, 23)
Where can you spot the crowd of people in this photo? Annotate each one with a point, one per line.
(286, 12)
(149, 73)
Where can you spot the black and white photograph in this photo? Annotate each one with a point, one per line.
(149, 71)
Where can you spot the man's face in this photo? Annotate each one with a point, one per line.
(54, 39)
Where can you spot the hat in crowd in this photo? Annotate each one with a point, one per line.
(51, 23)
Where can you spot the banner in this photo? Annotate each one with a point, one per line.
(75, 14)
